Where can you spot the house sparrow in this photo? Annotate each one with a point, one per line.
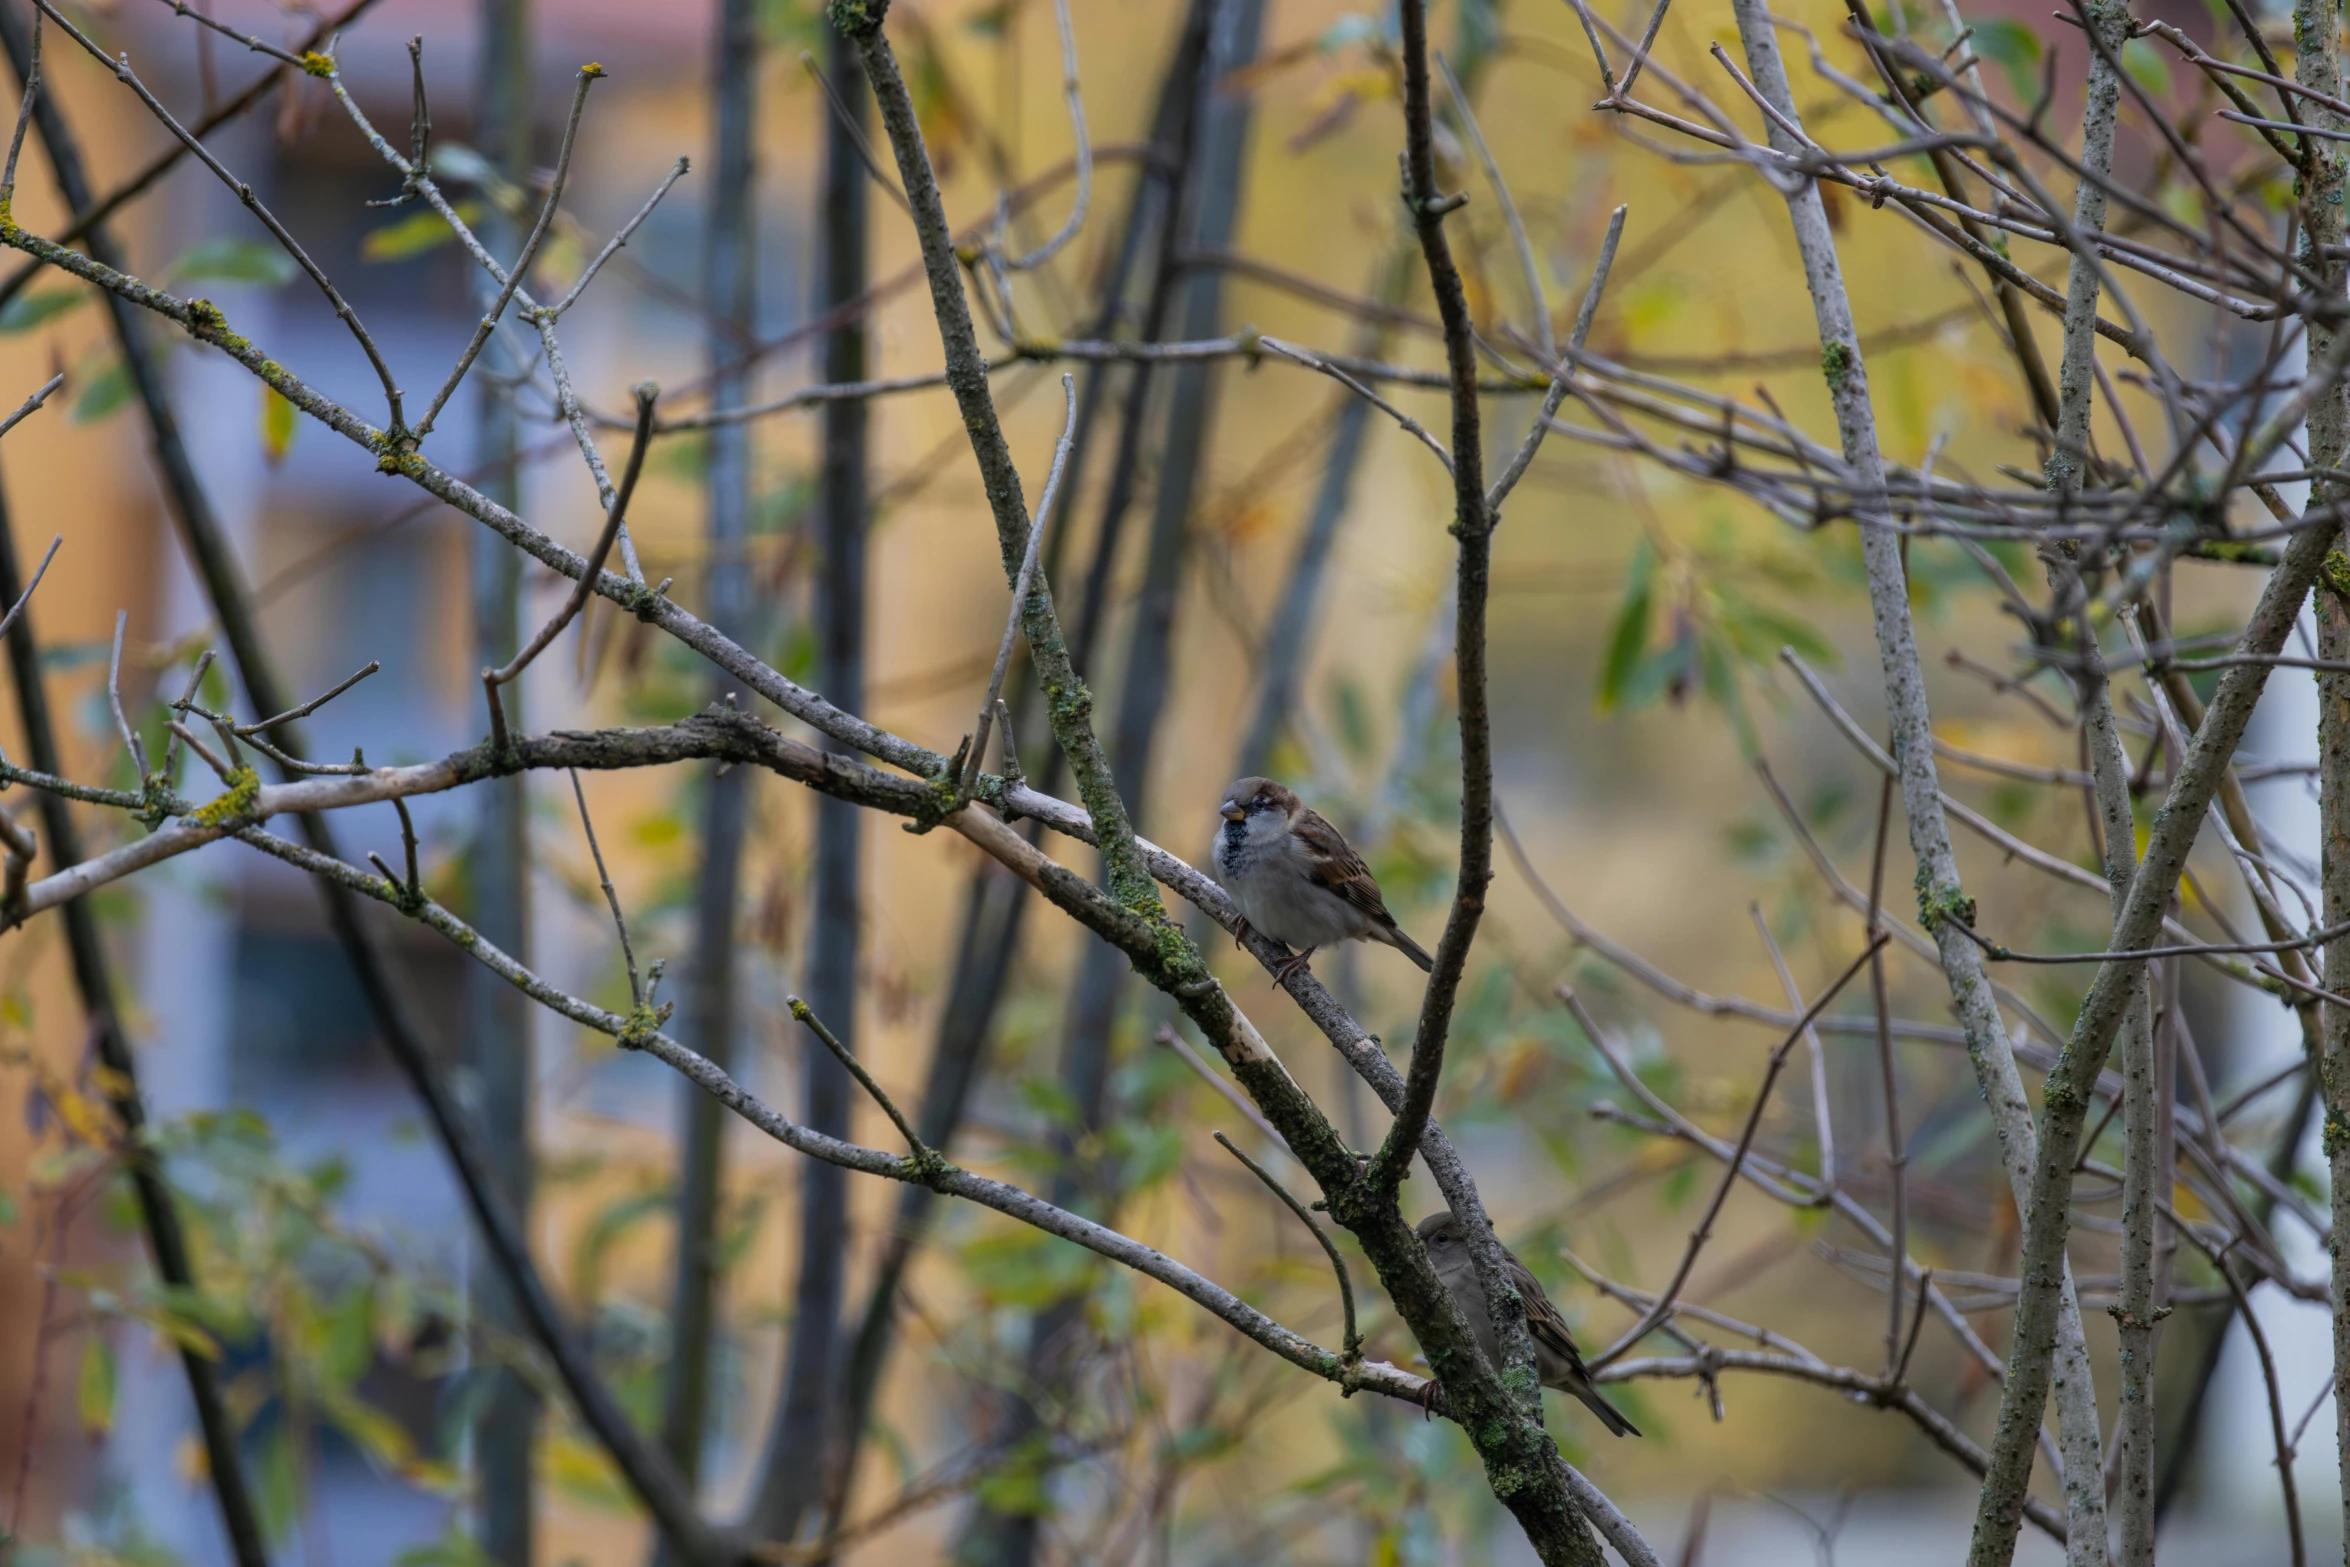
(1556, 1359)
(1294, 878)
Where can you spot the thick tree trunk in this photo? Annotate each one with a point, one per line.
(2317, 65)
(793, 1483)
(730, 290)
(498, 1052)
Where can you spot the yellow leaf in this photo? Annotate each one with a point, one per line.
(1367, 84)
(415, 234)
(585, 1472)
(1522, 1061)
(277, 425)
(83, 1116)
(1244, 523)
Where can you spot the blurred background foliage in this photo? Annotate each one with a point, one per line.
(1638, 623)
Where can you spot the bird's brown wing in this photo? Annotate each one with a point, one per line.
(1549, 1330)
(1543, 1319)
(1334, 864)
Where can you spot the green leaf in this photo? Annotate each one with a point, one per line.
(103, 392)
(27, 311)
(1680, 1186)
(1353, 716)
(1630, 633)
(790, 26)
(740, 1230)
(376, 1434)
(96, 1399)
(607, 1229)
(658, 830)
(278, 1481)
(2146, 67)
(454, 1549)
(234, 261)
(1762, 631)
(346, 1345)
(277, 424)
(2015, 49)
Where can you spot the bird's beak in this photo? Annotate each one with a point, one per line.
(1233, 812)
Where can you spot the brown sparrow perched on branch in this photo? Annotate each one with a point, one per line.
(1556, 1360)
(1294, 878)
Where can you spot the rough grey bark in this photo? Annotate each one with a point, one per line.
(93, 978)
(1942, 899)
(2143, 1104)
(2076, 376)
(793, 1482)
(498, 1040)
(2085, 1541)
(2047, 1213)
(2317, 65)
(730, 291)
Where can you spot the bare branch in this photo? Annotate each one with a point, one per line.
(588, 75)
(614, 519)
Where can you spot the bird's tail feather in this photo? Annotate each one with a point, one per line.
(1393, 935)
(1608, 1414)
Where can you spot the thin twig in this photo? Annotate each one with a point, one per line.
(1821, 1125)
(252, 41)
(1999, 954)
(588, 75)
(1704, 1231)
(244, 193)
(130, 736)
(247, 731)
(1166, 1035)
(1030, 569)
(8, 620)
(1070, 229)
(636, 989)
(24, 111)
(1563, 375)
(627, 231)
(25, 409)
(1537, 297)
(1896, 1160)
(856, 132)
(1346, 1290)
(856, 1069)
(646, 394)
